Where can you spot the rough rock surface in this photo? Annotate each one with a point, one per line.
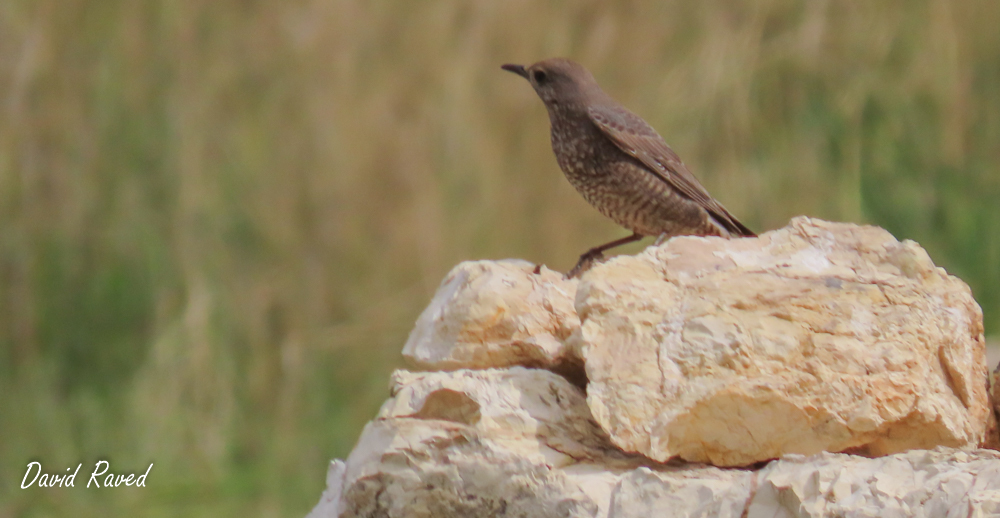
(519, 442)
(495, 314)
(478, 443)
(815, 337)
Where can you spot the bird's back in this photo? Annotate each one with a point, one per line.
(619, 185)
(625, 169)
(634, 137)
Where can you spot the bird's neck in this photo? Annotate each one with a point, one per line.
(575, 140)
(567, 113)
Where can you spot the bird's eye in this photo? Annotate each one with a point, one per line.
(540, 76)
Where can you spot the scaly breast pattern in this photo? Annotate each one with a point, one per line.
(620, 186)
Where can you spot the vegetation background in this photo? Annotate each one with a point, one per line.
(218, 220)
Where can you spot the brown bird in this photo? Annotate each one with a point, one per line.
(620, 164)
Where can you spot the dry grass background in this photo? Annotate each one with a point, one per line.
(218, 220)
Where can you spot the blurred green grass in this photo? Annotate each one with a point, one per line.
(219, 220)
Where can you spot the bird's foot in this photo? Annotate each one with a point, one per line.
(586, 262)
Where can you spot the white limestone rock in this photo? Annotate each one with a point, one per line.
(689, 491)
(495, 314)
(815, 337)
(519, 442)
(919, 483)
(329, 502)
(532, 410)
(479, 443)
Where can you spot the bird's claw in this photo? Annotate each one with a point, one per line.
(586, 262)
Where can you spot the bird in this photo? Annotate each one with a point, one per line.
(620, 164)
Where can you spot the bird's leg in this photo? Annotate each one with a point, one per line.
(597, 253)
(661, 238)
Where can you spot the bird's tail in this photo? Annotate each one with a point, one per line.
(729, 226)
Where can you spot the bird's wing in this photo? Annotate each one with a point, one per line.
(636, 138)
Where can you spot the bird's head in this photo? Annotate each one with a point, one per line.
(560, 82)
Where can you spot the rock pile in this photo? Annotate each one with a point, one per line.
(667, 383)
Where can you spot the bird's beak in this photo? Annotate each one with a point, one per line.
(517, 69)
